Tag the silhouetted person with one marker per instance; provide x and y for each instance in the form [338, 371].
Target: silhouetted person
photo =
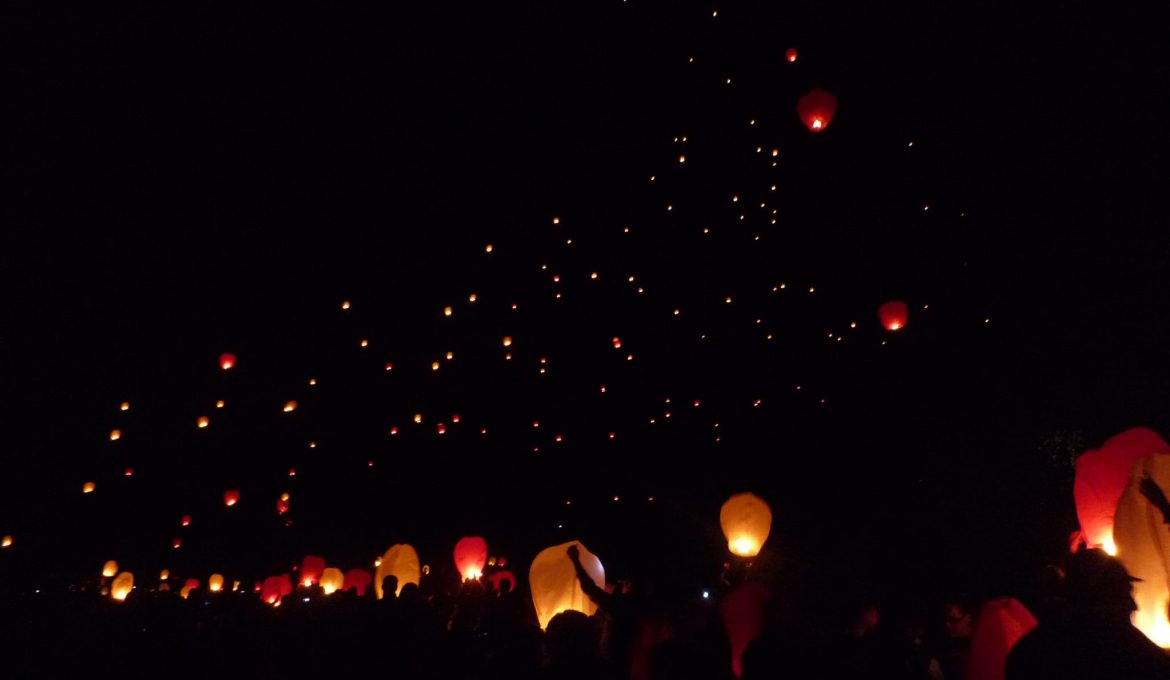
[572, 647]
[621, 610]
[958, 625]
[1095, 638]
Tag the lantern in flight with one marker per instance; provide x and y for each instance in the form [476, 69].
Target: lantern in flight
[227, 360]
[311, 569]
[816, 109]
[401, 562]
[5, 542]
[215, 583]
[275, 588]
[231, 497]
[790, 55]
[109, 569]
[202, 422]
[88, 487]
[188, 585]
[470, 557]
[185, 521]
[121, 586]
[1143, 546]
[357, 580]
[1101, 477]
[746, 521]
[893, 315]
[290, 406]
[553, 581]
[115, 435]
[282, 504]
[332, 580]
[1000, 625]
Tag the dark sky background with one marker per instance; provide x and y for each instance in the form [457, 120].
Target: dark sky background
[180, 183]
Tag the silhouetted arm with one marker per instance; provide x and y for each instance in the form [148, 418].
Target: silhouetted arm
[601, 598]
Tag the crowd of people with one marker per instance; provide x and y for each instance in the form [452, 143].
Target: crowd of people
[639, 631]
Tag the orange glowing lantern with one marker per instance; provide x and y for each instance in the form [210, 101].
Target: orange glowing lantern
[1101, 478]
[188, 585]
[894, 315]
[554, 583]
[110, 568]
[124, 406]
[6, 542]
[121, 586]
[790, 55]
[88, 487]
[400, 561]
[816, 109]
[115, 435]
[227, 360]
[470, 557]
[507, 341]
[1143, 546]
[215, 583]
[357, 580]
[231, 497]
[202, 422]
[290, 406]
[1000, 625]
[746, 521]
[332, 580]
[311, 569]
[164, 574]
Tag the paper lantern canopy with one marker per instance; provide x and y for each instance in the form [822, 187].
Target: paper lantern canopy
[275, 588]
[1143, 546]
[311, 569]
[227, 360]
[110, 568]
[401, 562]
[332, 580]
[746, 521]
[816, 109]
[790, 55]
[357, 580]
[188, 585]
[1101, 477]
[470, 557]
[893, 315]
[1001, 624]
[122, 586]
[231, 497]
[215, 583]
[554, 584]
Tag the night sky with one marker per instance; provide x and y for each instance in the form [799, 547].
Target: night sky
[179, 183]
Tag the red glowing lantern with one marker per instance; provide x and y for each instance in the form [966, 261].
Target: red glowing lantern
[470, 557]
[275, 588]
[186, 521]
[357, 580]
[1101, 478]
[176, 543]
[816, 109]
[311, 569]
[894, 315]
[790, 55]
[231, 497]
[1001, 624]
[282, 504]
[227, 360]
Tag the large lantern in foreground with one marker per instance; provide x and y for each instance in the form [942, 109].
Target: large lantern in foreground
[894, 315]
[110, 568]
[1001, 624]
[1143, 546]
[332, 580]
[401, 562]
[1101, 478]
[746, 521]
[554, 584]
[215, 583]
[122, 586]
[816, 109]
[357, 580]
[470, 557]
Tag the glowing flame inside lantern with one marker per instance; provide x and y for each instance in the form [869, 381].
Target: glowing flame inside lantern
[109, 569]
[122, 586]
[1109, 546]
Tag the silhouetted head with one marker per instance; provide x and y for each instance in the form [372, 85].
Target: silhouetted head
[570, 638]
[389, 586]
[958, 621]
[1099, 585]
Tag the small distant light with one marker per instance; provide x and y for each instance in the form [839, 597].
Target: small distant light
[487, 248]
[365, 343]
[706, 595]
[125, 406]
[345, 304]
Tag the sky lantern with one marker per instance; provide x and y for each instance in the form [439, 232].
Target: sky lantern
[1101, 477]
[215, 583]
[282, 504]
[88, 487]
[357, 580]
[275, 588]
[124, 406]
[554, 585]
[790, 55]
[816, 109]
[186, 521]
[401, 561]
[894, 315]
[332, 580]
[227, 360]
[311, 569]
[6, 542]
[1000, 625]
[746, 521]
[231, 497]
[1143, 546]
[742, 612]
[164, 574]
[470, 557]
[109, 569]
[202, 422]
[507, 341]
[115, 435]
[290, 406]
[188, 585]
[121, 586]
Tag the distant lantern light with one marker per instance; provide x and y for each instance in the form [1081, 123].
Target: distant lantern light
[231, 497]
[311, 569]
[487, 248]
[447, 311]
[227, 360]
[219, 403]
[441, 428]
[470, 557]
[617, 342]
[185, 521]
[110, 568]
[188, 585]
[88, 487]
[164, 574]
[290, 406]
[364, 343]
[215, 583]
[115, 435]
[129, 472]
[345, 304]
[121, 586]
[176, 543]
[6, 542]
[202, 422]
[507, 341]
[434, 365]
[418, 418]
[894, 315]
[790, 55]
[125, 406]
[746, 521]
[816, 109]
